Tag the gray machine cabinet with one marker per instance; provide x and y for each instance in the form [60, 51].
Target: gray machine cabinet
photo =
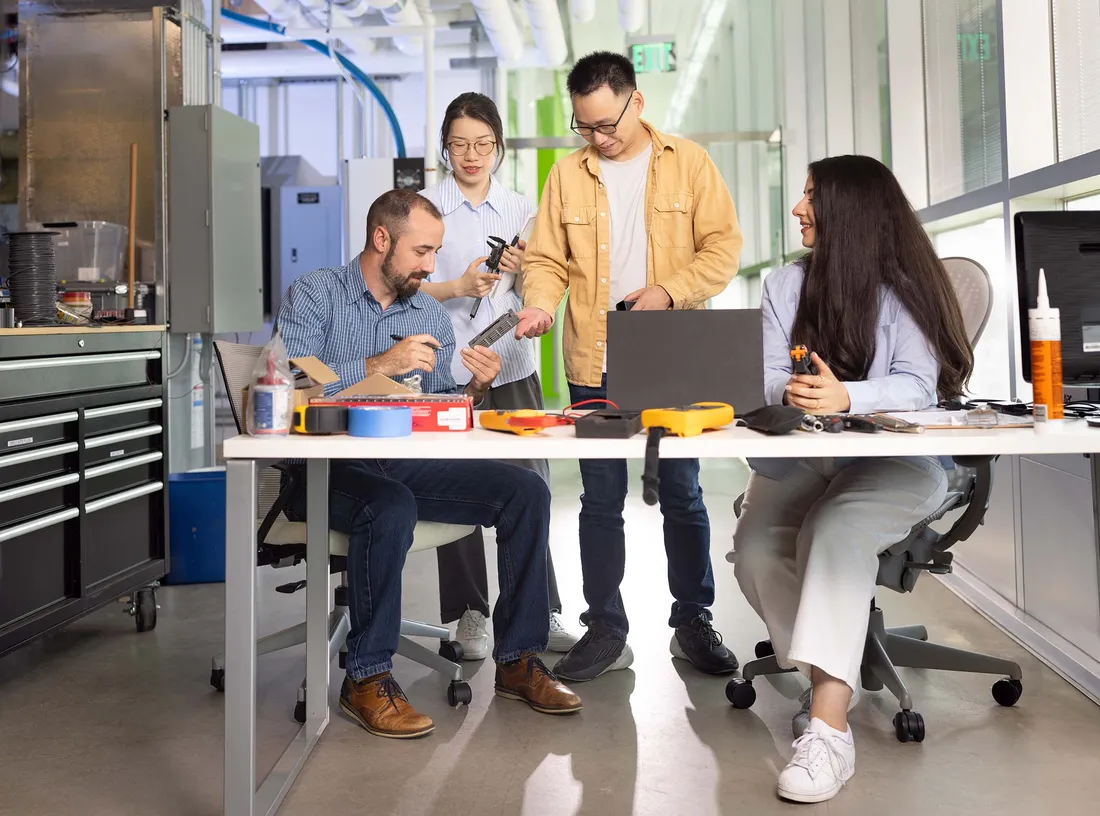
[214, 255]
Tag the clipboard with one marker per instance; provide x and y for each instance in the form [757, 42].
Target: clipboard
[954, 420]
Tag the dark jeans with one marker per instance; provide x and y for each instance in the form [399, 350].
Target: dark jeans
[603, 542]
[463, 582]
[377, 504]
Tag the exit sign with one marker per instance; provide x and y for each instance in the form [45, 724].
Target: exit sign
[652, 55]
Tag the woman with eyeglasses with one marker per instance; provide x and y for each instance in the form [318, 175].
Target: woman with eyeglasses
[476, 205]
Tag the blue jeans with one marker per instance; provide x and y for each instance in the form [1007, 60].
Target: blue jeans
[603, 542]
[377, 504]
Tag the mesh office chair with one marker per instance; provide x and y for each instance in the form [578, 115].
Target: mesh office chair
[281, 543]
[925, 550]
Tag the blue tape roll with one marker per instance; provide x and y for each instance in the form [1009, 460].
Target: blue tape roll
[379, 420]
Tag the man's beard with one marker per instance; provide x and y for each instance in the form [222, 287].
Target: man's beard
[404, 287]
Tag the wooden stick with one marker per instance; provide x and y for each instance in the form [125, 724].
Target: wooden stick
[131, 232]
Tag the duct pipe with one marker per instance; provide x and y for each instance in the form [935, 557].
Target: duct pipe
[320, 14]
[292, 63]
[632, 14]
[549, 34]
[402, 13]
[582, 11]
[500, 26]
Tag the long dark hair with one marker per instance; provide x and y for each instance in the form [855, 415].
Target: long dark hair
[472, 105]
[867, 238]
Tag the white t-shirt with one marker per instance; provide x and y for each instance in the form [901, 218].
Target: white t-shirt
[625, 182]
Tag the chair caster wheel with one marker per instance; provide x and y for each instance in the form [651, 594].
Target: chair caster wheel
[459, 693]
[450, 650]
[217, 679]
[740, 693]
[909, 726]
[300, 711]
[1007, 691]
[764, 649]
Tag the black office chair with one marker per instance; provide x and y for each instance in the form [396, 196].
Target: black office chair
[925, 550]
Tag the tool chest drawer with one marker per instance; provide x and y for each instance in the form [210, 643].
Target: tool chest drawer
[33, 555]
[122, 474]
[48, 376]
[40, 463]
[109, 521]
[107, 447]
[122, 416]
[38, 431]
[34, 499]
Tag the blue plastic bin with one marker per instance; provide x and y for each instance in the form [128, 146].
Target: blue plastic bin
[196, 527]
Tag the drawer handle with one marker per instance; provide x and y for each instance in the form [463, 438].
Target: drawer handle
[121, 436]
[37, 422]
[38, 524]
[91, 359]
[38, 487]
[124, 496]
[41, 453]
[123, 464]
[125, 408]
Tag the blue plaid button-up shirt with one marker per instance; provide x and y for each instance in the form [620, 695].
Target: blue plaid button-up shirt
[329, 314]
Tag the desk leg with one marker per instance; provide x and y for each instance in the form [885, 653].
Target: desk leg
[318, 595]
[240, 637]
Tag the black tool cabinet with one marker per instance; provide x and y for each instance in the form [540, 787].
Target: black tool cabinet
[82, 475]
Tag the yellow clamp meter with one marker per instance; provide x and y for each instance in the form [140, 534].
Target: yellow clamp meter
[688, 420]
[499, 421]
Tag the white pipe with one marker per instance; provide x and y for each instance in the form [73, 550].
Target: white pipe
[582, 11]
[406, 14]
[320, 9]
[216, 52]
[549, 34]
[632, 14]
[500, 26]
[429, 100]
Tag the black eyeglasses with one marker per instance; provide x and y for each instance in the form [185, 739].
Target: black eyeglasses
[462, 148]
[606, 130]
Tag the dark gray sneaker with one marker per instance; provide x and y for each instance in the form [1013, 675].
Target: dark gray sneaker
[698, 643]
[600, 650]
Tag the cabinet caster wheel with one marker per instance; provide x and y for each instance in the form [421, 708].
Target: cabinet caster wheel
[217, 679]
[459, 693]
[909, 726]
[764, 649]
[145, 609]
[740, 693]
[300, 712]
[1007, 691]
[450, 650]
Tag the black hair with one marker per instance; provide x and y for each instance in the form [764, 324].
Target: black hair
[867, 238]
[392, 210]
[472, 105]
[593, 71]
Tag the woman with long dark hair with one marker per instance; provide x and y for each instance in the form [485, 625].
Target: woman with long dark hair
[475, 205]
[875, 307]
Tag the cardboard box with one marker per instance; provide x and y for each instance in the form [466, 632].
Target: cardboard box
[430, 412]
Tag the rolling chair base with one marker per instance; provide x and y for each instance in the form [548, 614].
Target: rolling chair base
[885, 652]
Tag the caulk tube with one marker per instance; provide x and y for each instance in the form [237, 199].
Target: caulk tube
[1044, 329]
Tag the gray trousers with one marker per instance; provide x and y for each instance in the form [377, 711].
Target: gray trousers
[463, 582]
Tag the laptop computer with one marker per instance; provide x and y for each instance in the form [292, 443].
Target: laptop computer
[673, 358]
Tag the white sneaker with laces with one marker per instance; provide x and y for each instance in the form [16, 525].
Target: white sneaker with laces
[473, 634]
[561, 639]
[824, 759]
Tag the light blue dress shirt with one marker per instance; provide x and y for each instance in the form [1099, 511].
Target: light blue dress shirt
[329, 314]
[903, 375]
[467, 228]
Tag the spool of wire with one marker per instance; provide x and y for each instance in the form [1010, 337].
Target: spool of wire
[32, 277]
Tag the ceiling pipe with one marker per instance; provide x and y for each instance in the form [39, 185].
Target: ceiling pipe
[632, 15]
[401, 13]
[549, 33]
[582, 11]
[500, 26]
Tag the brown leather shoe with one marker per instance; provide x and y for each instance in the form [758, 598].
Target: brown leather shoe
[380, 706]
[529, 680]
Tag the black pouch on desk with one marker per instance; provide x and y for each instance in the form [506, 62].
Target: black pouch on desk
[607, 424]
[774, 420]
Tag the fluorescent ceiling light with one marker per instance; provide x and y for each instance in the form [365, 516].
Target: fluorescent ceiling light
[709, 20]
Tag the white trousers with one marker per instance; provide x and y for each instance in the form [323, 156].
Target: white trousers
[806, 551]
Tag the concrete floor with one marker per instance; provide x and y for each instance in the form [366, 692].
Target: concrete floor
[98, 720]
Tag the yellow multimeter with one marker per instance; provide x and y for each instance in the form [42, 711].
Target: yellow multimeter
[689, 420]
[498, 421]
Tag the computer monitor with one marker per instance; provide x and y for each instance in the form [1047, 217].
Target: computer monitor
[1066, 245]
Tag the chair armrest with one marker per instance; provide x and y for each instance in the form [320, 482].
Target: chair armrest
[977, 503]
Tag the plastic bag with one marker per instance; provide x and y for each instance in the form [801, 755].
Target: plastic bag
[271, 392]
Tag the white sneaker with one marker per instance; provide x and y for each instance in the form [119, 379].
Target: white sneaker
[561, 639]
[824, 759]
[473, 634]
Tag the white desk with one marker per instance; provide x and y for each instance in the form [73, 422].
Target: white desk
[242, 454]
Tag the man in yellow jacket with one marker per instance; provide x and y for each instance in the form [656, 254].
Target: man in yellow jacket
[644, 217]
